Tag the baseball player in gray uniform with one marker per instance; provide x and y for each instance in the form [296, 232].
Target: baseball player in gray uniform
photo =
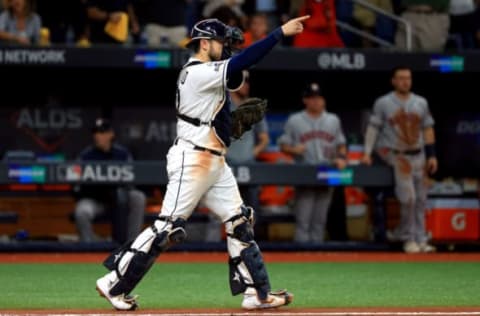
[313, 136]
[401, 131]
[198, 173]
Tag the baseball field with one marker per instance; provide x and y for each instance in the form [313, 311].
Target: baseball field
[323, 283]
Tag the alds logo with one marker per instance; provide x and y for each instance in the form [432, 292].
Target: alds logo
[95, 173]
[47, 127]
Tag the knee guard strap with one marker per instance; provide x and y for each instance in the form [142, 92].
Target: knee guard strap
[135, 263]
[241, 226]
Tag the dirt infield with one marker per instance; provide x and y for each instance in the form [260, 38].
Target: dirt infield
[453, 311]
[269, 257]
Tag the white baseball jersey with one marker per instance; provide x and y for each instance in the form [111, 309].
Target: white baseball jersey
[201, 94]
[196, 176]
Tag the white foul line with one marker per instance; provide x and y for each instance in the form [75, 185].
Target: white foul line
[352, 313]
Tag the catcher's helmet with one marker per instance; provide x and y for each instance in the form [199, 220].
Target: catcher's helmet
[209, 29]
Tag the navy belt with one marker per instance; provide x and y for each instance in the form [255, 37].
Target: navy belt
[200, 148]
[406, 152]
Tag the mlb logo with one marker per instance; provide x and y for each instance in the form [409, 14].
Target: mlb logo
[74, 173]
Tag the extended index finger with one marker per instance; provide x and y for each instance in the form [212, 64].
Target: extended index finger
[302, 18]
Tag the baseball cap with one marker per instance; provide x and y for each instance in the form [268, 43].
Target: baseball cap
[101, 125]
[312, 89]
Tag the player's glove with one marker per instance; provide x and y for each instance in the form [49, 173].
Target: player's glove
[249, 112]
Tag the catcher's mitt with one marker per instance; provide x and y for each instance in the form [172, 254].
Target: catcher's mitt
[249, 112]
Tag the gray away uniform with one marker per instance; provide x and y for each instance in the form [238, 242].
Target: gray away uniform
[321, 136]
[400, 143]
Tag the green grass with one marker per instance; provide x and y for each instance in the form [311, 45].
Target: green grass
[183, 285]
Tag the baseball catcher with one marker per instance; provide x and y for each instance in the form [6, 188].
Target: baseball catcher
[197, 170]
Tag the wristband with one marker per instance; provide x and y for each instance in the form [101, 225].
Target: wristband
[430, 150]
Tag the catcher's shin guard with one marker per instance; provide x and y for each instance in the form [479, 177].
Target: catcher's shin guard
[246, 265]
[135, 260]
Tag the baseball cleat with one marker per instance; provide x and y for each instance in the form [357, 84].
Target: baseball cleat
[411, 247]
[120, 302]
[426, 247]
[274, 300]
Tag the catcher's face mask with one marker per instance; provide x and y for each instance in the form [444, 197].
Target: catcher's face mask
[233, 40]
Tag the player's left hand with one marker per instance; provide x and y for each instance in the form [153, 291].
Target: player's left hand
[340, 163]
[432, 165]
